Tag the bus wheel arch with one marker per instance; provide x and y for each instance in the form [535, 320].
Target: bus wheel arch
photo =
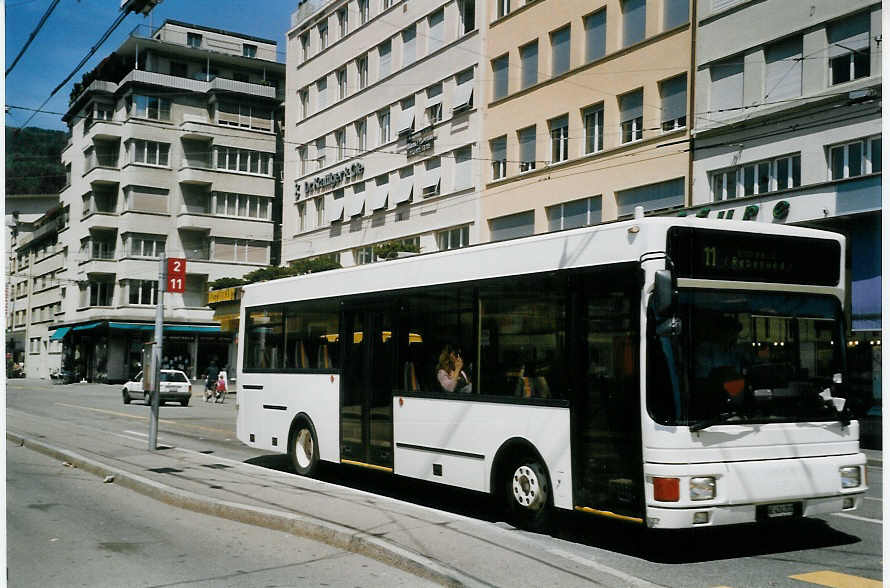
[302, 445]
[520, 480]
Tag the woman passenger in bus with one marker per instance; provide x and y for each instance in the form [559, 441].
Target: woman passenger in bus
[449, 371]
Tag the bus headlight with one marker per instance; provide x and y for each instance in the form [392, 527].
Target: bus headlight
[702, 488]
[851, 477]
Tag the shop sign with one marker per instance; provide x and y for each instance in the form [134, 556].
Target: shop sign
[223, 295]
[420, 141]
[331, 180]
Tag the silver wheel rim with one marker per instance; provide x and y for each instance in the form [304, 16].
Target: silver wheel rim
[305, 448]
[530, 487]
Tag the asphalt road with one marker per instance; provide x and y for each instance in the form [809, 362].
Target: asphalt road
[66, 527]
[837, 550]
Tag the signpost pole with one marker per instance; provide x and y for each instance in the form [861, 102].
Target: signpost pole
[156, 358]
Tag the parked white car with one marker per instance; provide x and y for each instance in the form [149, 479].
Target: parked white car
[175, 386]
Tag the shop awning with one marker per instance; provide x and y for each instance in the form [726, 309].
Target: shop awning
[167, 328]
[60, 333]
[87, 326]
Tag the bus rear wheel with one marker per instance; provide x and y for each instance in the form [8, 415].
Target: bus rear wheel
[528, 494]
[303, 449]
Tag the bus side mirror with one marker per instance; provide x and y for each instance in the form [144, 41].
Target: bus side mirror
[665, 292]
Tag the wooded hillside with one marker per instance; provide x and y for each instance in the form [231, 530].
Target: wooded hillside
[33, 164]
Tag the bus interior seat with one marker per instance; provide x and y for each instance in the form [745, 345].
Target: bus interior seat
[324, 357]
[410, 378]
[302, 359]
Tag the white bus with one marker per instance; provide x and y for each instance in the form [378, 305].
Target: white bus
[671, 372]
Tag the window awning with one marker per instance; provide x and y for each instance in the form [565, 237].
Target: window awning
[333, 208]
[87, 326]
[404, 190]
[377, 199]
[208, 329]
[60, 333]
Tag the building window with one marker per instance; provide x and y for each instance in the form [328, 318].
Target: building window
[341, 83]
[193, 40]
[340, 139]
[436, 30]
[673, 103]
[101, 293]
[364, 255]
[302, 153]
[150, 152]
[503, 8]
[453, 238]
[361, 65]
[242, 205]
[512, 226]
[726, 87]
[244, 115]
[364, 11]
[343, 21]
[405, 121]
[658, 196]
[151, 107]
[784, 70]
[240, 250]
[387, 4]
[849, 49]
[434, 104]
[143, 291]
[323, 36]
[463, 91]
[595, 35]
[498, 157]
[559, 139]
[463, 168]
[409, 45]
[676, 13]
[321, 87]
[243, 160]
[304, 44]
[577, 213]
[301, 217]
[633, 14]
[560, 43]
[384, 51]
[432, 182]
[499, 68]
[319, 211]
[321, 152]
[361, 135]
[855, 158]
[593, 128]
[304, 102]
[249, 50]
[528, 58]
[631, 108]
[467, 15]
[761, 177]
[383, 124]
[527, 149]
[146, 246]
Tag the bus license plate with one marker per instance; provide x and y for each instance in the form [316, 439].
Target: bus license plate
[775, 511]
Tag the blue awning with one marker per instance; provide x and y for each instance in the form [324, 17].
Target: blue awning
[208, 330]
[87, 326]
[60, 333]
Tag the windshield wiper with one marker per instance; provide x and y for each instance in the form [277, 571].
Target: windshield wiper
[720, 419]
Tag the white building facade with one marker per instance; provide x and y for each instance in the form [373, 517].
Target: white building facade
[381, 144]
[172, 152]
[788, 130]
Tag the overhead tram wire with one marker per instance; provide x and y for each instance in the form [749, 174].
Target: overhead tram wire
[120, 18]
[32, 35]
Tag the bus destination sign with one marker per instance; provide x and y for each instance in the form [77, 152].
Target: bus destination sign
[721, 255]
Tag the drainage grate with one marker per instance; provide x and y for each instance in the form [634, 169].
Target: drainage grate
[165, 470]
[216, 466]
[206, 451]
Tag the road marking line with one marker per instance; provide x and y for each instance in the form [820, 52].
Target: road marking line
[142, 418]
[856, 518]
[631, 580]
[836, 580]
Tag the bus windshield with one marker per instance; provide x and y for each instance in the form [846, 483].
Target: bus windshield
[747, 357]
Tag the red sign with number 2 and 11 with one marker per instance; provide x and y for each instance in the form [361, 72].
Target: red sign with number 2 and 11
[176, 274]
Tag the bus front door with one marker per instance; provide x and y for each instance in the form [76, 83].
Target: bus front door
[366, 388]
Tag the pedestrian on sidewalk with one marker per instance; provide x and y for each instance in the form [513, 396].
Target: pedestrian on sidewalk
[222, 384]
[210, 383]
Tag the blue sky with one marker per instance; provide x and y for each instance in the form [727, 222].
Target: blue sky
[76, 25]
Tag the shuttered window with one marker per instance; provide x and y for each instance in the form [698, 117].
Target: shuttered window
[595, 35]
[784, 66]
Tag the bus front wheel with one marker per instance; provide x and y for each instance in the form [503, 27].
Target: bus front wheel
[304, 449]
[528, 494]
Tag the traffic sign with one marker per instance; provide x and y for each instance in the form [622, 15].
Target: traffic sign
[175, 274]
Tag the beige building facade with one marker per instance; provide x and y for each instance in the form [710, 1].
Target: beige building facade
[587, 112]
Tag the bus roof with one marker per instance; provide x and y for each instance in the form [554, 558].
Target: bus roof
[616, 242]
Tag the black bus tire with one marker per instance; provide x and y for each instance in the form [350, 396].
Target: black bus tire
[303, 449]
[527, 492]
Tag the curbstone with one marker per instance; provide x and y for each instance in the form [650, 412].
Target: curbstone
[332, 534]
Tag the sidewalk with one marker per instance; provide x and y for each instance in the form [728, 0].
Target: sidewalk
[446, 548]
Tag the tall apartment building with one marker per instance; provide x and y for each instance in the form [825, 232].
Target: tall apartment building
[32, 290]
[587, 112]
[788, 130]
[173, 151]
[383, 128]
